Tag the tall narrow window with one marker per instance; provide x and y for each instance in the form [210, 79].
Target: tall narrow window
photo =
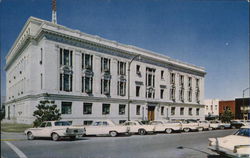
[121, 68]
[138, 91]
[41, 58]
[181, 111]
[105, 109]
[172, 110]
[121, 88]
[162, 110]
[190, 95]
[197, 111]
[138, 69]
[172, 94]
[181, 80]
[190, 111]
[105, 65]
[161, 93]
[150, 82]
[162, 74]
[172, 78]
[87, 61]
[87, 84]
[138, 109]
[189, 81]
[105, 86]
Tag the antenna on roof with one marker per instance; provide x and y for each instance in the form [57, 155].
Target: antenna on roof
[54, 12]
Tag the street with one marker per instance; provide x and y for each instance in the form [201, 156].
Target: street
[176, 145]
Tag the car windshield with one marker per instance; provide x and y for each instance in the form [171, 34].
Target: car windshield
[243, 132]
[62, 123]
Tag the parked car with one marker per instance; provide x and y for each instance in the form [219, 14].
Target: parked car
[106, 127]
[190, 125]
[138, 127]
[166, 126]
[215, 124]
[236, 145]
[239, 123]
[55, 130]
[204, 125]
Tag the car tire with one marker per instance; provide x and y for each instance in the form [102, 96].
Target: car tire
[222, 127]
[55, 136]
[186, 129]
[72, 138]
[200, 129]
[30, 136]
[113, 133]
[210, 128]
[142, 131]
[168, 130]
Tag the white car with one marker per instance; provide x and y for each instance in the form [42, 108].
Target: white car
[166, 126]
[219, 125]
[55, 130]
[236, 145]
[188, 126]
[106, 127]
[138, 127]
[204, 125]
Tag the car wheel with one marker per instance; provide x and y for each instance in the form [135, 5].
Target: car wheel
[200, 129]
[73, 138]
[168, 130]
[142, 131]
[113, 133]
[186, 129]
[55, 136]
[222, 127]
[210, 128]
[30, 136]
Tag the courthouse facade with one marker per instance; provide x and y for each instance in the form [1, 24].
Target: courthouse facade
[87, 78]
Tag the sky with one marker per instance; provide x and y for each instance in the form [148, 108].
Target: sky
[213, 34]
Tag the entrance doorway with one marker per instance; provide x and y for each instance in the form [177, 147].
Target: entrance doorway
[151, 113]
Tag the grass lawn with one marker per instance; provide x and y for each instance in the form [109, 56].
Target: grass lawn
[14, 127]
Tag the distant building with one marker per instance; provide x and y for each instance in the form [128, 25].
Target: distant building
[227, 105]
[242, 108]
[211, 108]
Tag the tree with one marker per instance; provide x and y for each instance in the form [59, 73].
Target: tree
[2, 114]
[227, 116]
[46, 111]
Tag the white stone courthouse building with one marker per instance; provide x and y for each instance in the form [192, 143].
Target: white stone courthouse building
[87, 77]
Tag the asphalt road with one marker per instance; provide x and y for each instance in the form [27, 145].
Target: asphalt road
[177, 145]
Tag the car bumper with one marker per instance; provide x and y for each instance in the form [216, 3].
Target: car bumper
[226, 152]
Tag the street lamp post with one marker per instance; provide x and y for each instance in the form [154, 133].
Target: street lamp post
[129, 64]
[243, 97]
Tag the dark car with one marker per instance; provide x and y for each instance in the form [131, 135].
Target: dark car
[236, 124]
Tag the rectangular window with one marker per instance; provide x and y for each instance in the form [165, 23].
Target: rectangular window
[66, 82]
[162, 74]
[190, 111]
[121, 68]
[138, 109]
[122, 121]
[87, 122]
[150, 82]
[190, 95]
[197, 111]
[197, 83]
[87, 61]
[105, 109]
[87, 108]
[181, 81]
[122, 109]
[105, 65]
[162, 110]
[189, 81]
[138, 91]
[41, 58]
[105, 86]
[66, 57]
[162, 92]
[181, 111]
[172, 94]
[87, 84]
[121, 88]
[66, 107]
[138, 69]
[172, 110]
[181, 94]
[172, 78]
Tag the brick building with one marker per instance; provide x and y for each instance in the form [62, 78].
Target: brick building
[227, 104]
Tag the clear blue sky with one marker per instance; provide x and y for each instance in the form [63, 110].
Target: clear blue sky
[208, 33]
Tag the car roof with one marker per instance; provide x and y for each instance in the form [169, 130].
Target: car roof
[248, 126]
